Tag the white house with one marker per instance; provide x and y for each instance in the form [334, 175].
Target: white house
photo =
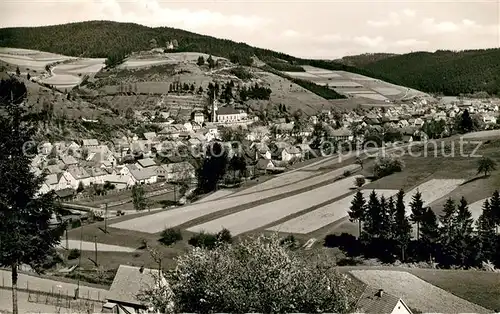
[90, 143]
[140, 176]
[199, 117]
[76, 175]
[176, 171]
[229, 115]
[289, 153]
[374, 301]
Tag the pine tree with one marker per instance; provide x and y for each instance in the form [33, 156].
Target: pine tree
[383, 221]
[448, 220]
[372, 218]
[486, 234]
[402, 227]
[495, 208]
[417, 211]
[462, 241]
[357, 210]
[429, 232]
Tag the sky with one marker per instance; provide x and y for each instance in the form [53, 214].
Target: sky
[326, 29]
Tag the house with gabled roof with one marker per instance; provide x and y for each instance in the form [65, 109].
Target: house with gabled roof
[145, 163]
[90, 143]
[54, 169]
[290, 152]
[376, 301]
[128, 284]
[140, 175]
[77, 174]
[68, 160]
[176, 171]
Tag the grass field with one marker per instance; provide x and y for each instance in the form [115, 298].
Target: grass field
[185, 214]
[324, 216]
[262, 215]
[417, 293]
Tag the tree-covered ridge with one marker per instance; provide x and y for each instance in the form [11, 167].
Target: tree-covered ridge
[102, 39]
[364, 59]
[446, 72]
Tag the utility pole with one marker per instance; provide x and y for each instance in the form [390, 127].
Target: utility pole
[106, 218]
[95, 245]
[67, 241]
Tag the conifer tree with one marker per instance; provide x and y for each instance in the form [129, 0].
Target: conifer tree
[486, 234]
[372, 219]
[402, 226]
[357, 211]
[429, 232]
[463, 238]
[417, 211]
[495, 209]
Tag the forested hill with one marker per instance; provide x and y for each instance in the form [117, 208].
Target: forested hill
[101, 39]
[447, 72]
[450, 73]
[363, 60]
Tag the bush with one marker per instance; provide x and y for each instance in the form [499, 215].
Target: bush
[203, 240]
[73, 254]
[287, 67]
[359, 181]
[387, 165]
[241, 73]
[224, 236]
[345, 242]
[170, 236]
[76, 224]
[256, 275]
[347, 173]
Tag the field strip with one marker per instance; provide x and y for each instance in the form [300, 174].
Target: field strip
[282, 180]
[216, 195]
[90, 246]
[174, 217]
[325, 215]
[482, 134]
[265, 214]
[417, 293]
[432, 190]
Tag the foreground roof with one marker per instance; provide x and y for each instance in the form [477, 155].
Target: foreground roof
[130, 281]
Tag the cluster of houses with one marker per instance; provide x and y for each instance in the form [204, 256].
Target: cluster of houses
[168, 154]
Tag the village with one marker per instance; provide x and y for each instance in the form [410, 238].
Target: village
[170, 155]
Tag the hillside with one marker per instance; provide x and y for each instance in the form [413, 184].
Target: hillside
[447, 72]
[364, 59]
[80, 40]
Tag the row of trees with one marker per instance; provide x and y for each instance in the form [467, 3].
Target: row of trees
[386, 230]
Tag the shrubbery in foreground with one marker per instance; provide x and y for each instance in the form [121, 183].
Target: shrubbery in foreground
[256, 275]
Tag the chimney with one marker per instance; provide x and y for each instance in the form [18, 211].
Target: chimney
[380, 293]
